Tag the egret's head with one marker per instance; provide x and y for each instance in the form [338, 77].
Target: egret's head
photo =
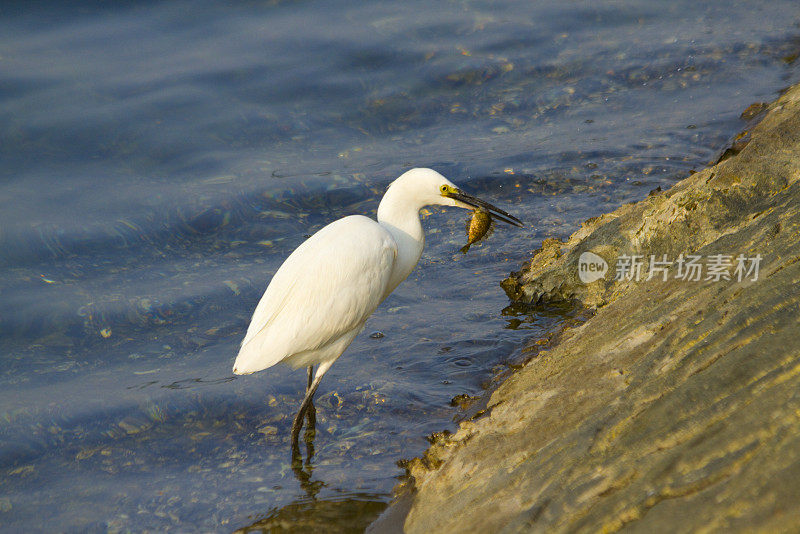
[425, 187]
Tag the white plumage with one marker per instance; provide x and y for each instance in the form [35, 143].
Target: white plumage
[320, 298]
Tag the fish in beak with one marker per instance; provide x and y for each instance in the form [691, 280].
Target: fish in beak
[470, 202]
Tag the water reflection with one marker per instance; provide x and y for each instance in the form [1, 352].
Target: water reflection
[342, 513]
[523, 316]
[303, 471]
[345, 513]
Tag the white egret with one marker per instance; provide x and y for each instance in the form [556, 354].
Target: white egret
[320, 298]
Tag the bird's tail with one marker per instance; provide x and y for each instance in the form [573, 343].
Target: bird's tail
[254, 356]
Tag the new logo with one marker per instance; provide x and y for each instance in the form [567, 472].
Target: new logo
[591, 267]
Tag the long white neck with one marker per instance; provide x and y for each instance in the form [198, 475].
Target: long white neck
[401, 218]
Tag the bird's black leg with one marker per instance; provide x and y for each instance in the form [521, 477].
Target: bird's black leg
[298, 419]
[311, 414]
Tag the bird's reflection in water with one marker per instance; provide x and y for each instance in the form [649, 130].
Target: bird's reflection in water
[303, 470]
[342, 512]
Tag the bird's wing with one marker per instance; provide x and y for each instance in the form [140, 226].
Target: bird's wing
[327, 287]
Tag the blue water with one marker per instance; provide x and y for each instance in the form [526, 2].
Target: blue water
[158, 160]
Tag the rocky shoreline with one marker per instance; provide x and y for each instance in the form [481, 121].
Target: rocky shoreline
[676, 407]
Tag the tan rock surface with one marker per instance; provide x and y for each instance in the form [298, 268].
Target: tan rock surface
[677, 406]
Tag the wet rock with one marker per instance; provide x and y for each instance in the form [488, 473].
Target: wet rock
[754, 110]
[464, 401]
[675, 407]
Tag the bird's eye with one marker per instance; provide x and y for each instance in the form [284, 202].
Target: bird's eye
[443, 189]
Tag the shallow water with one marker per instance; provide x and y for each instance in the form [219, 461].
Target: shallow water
[159, 160]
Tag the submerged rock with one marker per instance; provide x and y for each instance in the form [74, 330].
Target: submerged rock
[676, 407]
